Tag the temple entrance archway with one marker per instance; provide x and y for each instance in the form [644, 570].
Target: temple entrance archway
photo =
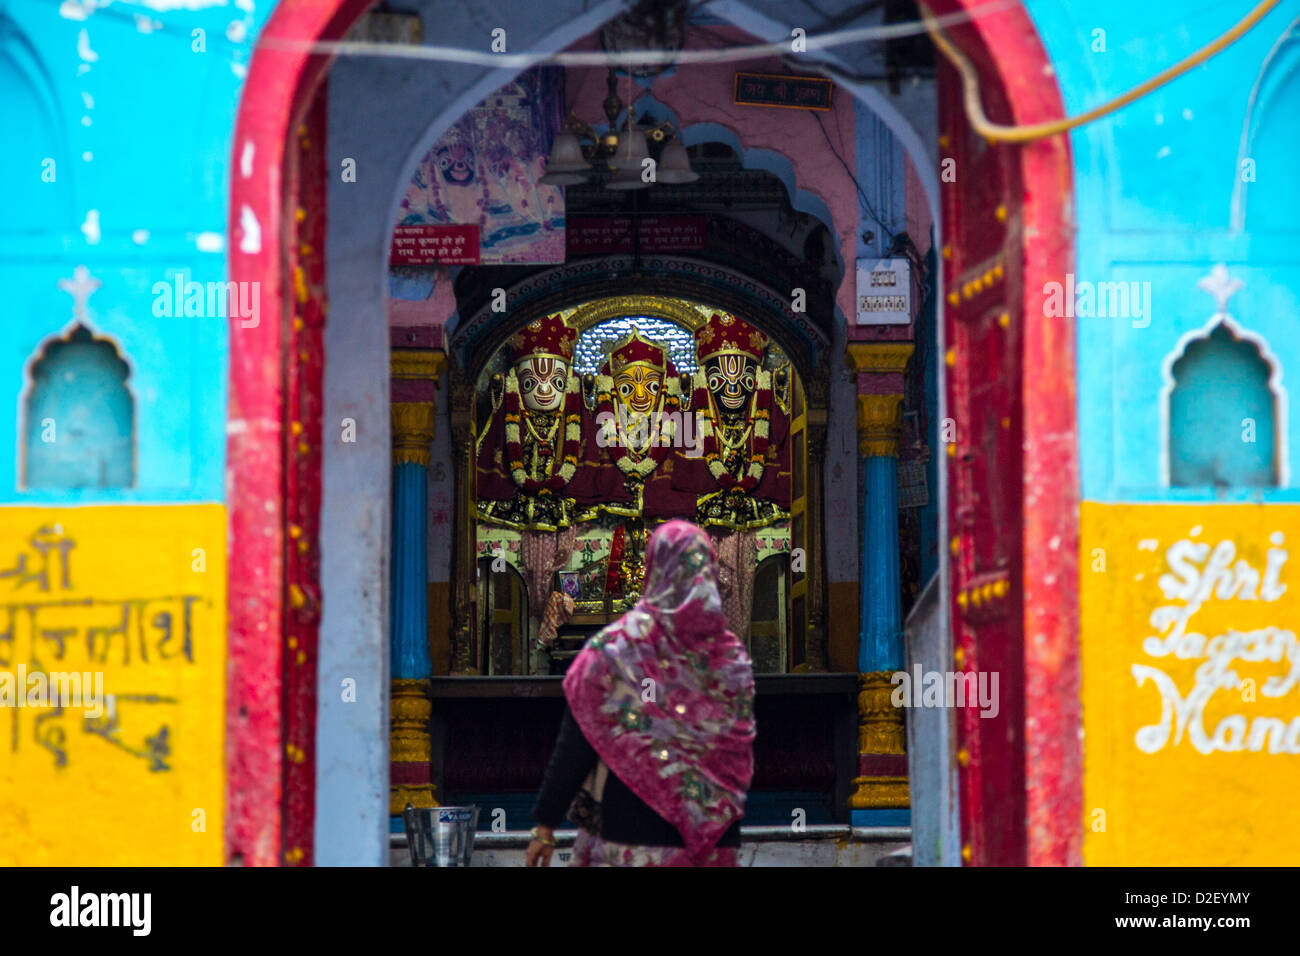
[275, 446]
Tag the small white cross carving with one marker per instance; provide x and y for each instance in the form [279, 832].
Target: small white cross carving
[80, 287]
[1220, 285]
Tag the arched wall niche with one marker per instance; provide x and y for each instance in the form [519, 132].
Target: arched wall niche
[91, 442]
[1223, 332]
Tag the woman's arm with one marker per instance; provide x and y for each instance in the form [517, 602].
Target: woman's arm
[571, 761]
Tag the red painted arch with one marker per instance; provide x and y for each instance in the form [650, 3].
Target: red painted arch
[277, 93]
[1005, 47]
[281, 81]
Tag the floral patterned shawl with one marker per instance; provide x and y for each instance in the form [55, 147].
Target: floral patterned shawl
[665, 695]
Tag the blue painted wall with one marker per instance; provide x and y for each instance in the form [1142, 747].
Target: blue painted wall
[138, 124]
[1155, 186]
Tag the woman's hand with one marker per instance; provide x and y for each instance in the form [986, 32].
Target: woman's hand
[539, 850]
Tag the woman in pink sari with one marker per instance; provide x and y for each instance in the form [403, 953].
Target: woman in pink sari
[662, 698]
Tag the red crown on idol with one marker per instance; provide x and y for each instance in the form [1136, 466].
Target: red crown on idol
[634, 350]
[727, 335]
[548, 337]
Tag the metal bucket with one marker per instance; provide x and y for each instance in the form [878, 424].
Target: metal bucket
[441, 836]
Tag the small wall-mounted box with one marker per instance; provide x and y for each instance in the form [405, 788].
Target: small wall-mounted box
[884, 292]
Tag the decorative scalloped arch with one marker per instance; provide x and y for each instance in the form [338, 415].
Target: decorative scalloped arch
[1241, 334]
[552, 289]
[76, 332]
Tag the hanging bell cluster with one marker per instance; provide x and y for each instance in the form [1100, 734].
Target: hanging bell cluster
[625, 152]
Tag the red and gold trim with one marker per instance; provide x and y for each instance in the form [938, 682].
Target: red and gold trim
[727, 335]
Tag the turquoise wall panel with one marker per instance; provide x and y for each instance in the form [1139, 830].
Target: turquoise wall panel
[137, 113]
[1155, 188]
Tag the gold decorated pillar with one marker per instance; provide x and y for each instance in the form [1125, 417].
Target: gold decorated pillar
[414, 374]
[881, 784]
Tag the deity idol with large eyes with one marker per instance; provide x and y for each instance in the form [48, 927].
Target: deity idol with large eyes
[647, 443]
[742, 431]
[743, 435]
[531, 452]
[638, 412]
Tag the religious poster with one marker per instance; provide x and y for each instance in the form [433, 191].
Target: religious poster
[1191, 684]
[112, 685]
[485, 171]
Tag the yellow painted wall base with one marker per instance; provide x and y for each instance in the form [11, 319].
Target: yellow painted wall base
[134, 597]
[1191, 698]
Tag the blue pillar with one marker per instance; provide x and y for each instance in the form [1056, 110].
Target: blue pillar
[881, 797]
[410, 750]
[410, 590]
[880, 647]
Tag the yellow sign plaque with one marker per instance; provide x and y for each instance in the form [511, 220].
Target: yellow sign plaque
[112, 685]
[1191, 684]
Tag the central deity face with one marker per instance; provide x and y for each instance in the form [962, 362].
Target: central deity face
[542, 381]
[732, 379]
[637, 387]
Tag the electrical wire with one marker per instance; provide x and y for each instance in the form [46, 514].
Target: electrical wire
[862, 195]
[998, 133]
[754, 51]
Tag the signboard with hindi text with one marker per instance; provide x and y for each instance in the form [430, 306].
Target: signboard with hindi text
[421, 245]
[610, 235]
[112, 685]
[788, 92]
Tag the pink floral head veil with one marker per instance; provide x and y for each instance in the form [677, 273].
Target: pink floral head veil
[665, 695]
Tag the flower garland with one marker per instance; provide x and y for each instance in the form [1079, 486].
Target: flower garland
[572, 421]
[761, 414]
[615, 438]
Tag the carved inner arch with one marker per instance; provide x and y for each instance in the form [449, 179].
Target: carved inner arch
[519, 552]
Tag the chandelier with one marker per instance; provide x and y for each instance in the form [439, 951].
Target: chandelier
[581, 154]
